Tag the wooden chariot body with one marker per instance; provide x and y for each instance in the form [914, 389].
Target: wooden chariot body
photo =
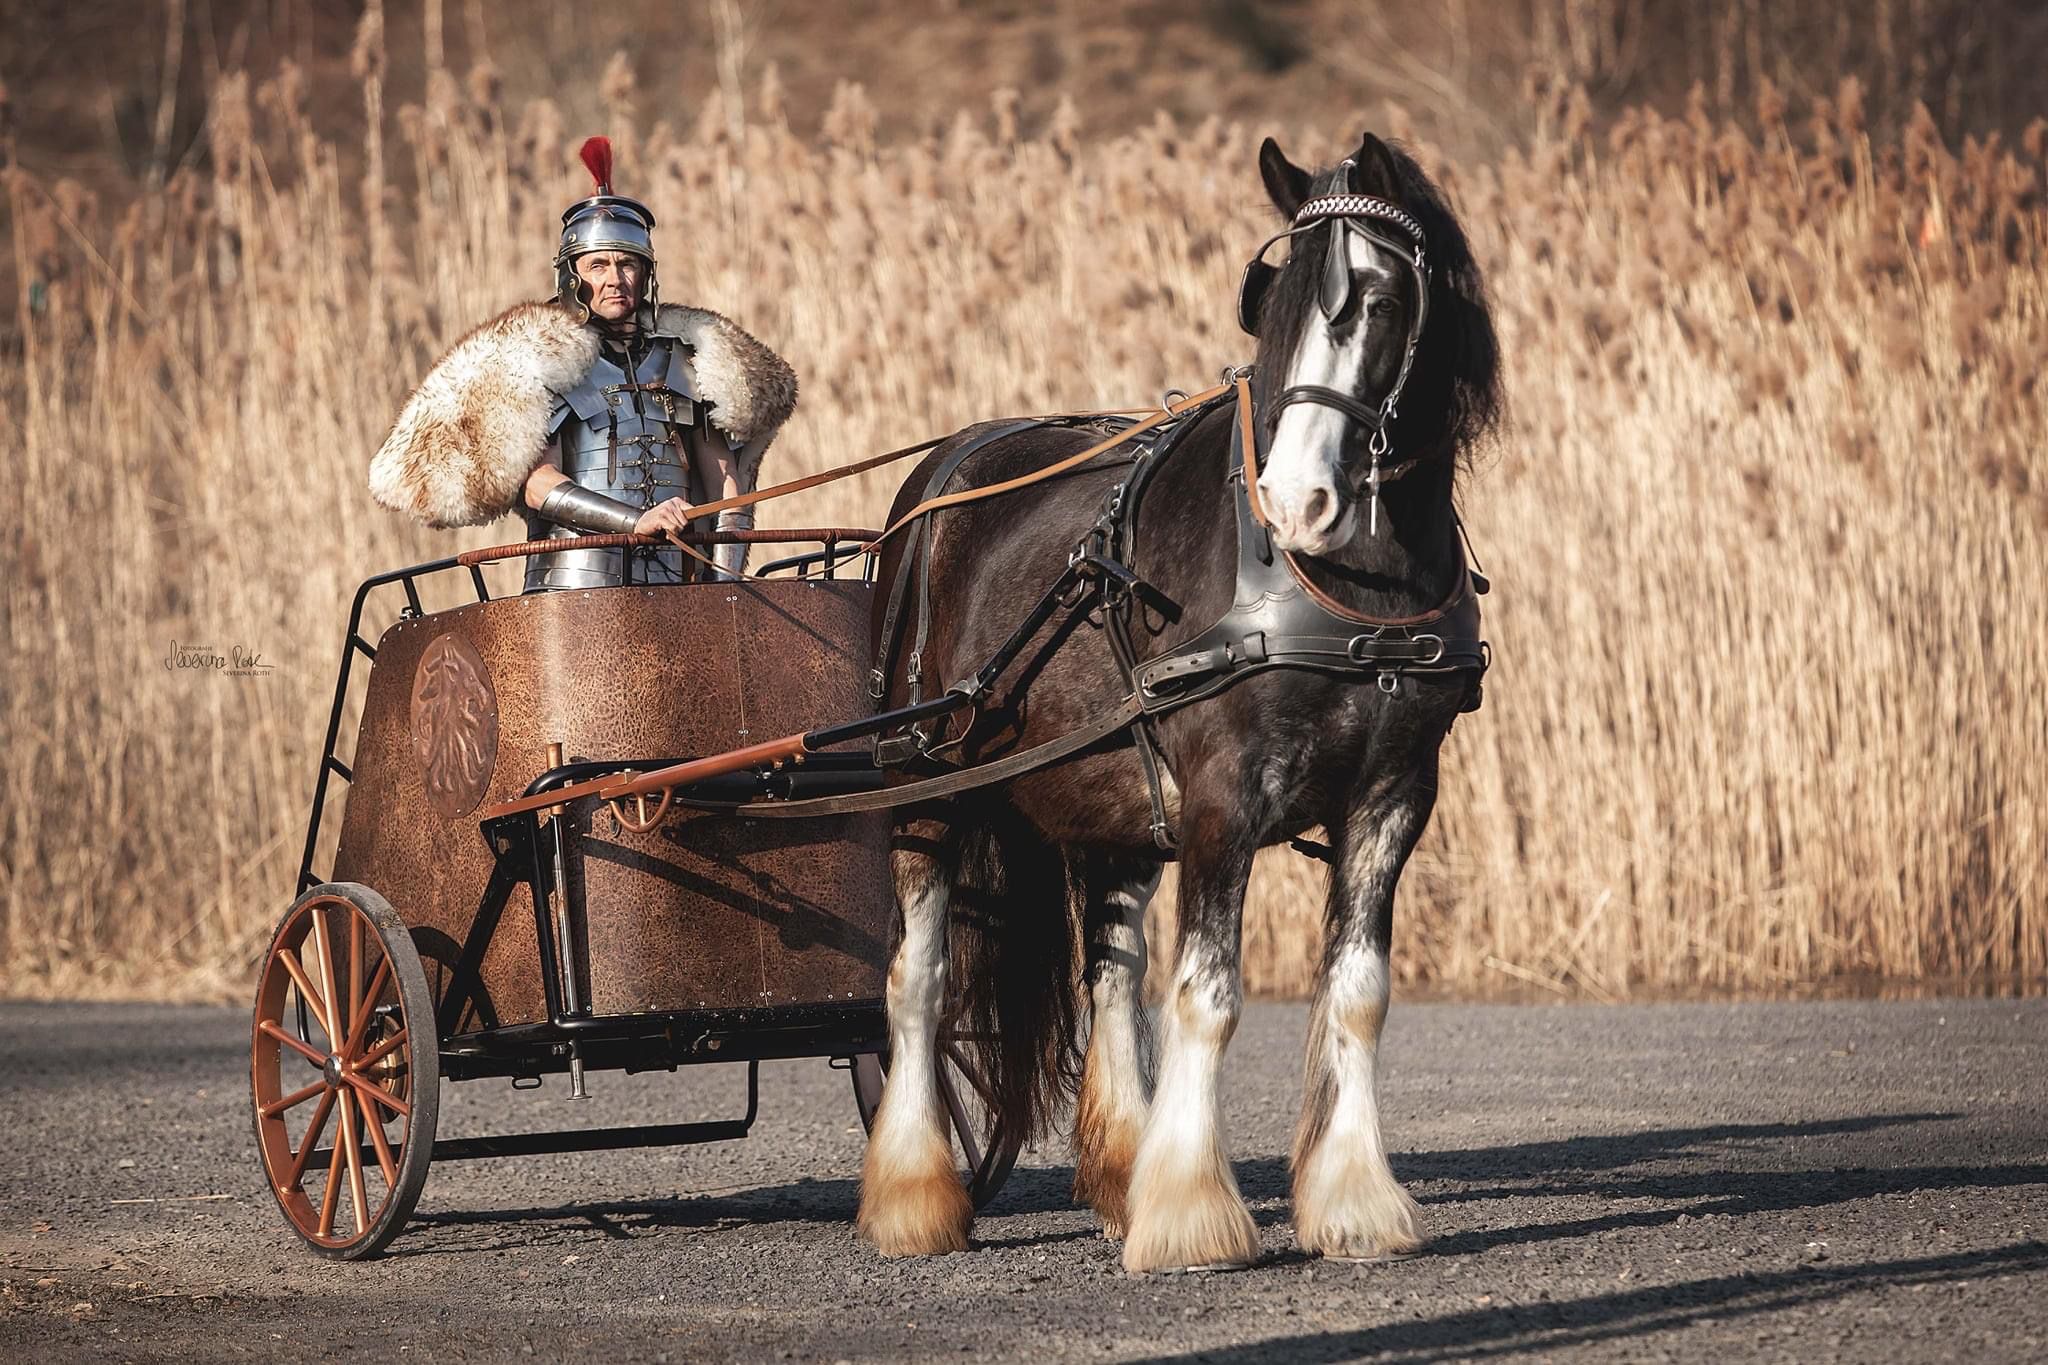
[705, 912]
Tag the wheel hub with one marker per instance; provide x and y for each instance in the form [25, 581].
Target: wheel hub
[332, 1070]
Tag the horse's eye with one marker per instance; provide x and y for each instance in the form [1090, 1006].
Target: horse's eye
[1383, 306]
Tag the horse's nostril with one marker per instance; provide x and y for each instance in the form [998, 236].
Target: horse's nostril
[1316, 511]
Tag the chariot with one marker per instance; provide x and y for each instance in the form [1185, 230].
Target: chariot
[508, 901]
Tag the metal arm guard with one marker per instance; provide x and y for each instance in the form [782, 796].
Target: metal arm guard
[571, 504]
[732, 559]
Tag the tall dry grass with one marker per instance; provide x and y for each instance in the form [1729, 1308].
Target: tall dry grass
[1767, 535]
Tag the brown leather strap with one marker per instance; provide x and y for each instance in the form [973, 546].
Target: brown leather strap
[1248, 437]
[847, 471]
[965, 495]
[824, 535]
[1342, 612]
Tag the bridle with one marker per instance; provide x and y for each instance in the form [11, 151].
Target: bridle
[1371, 217]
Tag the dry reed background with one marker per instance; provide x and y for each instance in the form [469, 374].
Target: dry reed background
[1767, 533]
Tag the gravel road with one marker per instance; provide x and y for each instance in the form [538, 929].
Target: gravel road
[1860, 1181]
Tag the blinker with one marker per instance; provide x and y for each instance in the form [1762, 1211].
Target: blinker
[1336, 288]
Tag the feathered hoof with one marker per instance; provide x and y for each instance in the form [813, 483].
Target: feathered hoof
[914, 1213]
[1107, 1191]
[1201, 1225]
[1102, 1180]
[1363, 1223]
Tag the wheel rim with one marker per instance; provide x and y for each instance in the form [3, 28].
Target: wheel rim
[332, 1063]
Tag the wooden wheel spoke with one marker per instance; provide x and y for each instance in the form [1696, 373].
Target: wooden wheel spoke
[306, 1050]
[297, 1097]
[326, 965]
[378, 1140]
[352, 1157]
[952, 1052]
[382, 1050]
[968, 1140]
[312, 1140]
[298, 975]
[391, 1102]
[332, 1193]
[365, 1007]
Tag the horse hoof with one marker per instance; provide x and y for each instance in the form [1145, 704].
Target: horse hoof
[916, 1216]
[1205, 1233]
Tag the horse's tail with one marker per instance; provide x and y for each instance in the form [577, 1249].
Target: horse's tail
[1015, 938]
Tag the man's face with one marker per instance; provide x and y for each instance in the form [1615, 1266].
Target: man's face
[612, 281]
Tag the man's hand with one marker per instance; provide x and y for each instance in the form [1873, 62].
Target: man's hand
[665, 518]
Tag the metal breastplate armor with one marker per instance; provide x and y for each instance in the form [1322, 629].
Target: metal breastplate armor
[622, 436]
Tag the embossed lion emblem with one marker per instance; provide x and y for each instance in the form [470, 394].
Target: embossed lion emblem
[454, 725]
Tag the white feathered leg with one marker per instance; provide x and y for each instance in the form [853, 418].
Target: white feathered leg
[1346, 1200]
[911, 1200]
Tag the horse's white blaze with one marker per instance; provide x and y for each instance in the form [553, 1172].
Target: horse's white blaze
[1185, 1208]
[912, 1201]
[1347, 1202]
[1299, 484]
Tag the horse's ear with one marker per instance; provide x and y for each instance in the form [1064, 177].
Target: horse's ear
[1374, 170]
[1286, 182]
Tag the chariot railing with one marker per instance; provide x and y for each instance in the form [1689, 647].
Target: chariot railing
[839, 546]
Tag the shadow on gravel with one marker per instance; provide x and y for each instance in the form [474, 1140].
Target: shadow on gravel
[802, 1201]
[1595, 1165]
[1553, 1326]
[1611, 1151]
[1731, 1194]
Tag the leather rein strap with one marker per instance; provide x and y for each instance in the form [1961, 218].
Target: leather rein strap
[1057, 467]
[934, 788]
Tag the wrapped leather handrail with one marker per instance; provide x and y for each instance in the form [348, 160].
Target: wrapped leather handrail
[823, 535]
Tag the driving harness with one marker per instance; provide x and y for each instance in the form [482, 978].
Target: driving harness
[1278, 617]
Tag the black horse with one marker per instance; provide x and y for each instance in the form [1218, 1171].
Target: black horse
[1357, 499]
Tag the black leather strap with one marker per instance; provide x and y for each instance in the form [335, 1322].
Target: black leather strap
[933, 788]
[908, 566]
[1331, 398]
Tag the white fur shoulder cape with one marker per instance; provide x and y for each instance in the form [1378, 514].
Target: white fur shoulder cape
[477, 424]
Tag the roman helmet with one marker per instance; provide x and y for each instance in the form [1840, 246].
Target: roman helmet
[603, 222]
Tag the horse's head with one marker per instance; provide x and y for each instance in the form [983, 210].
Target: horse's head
[1375, 353]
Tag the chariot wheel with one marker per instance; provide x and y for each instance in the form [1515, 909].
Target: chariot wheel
[344, 1048]
[987, 1150]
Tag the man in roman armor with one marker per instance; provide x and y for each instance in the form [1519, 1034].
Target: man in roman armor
[600, 410]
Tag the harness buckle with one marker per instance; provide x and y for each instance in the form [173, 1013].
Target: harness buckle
[1390, 681]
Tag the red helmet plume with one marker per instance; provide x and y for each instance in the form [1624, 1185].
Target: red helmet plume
[597, 155]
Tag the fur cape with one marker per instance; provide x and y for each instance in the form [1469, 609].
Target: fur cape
[477, 424]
